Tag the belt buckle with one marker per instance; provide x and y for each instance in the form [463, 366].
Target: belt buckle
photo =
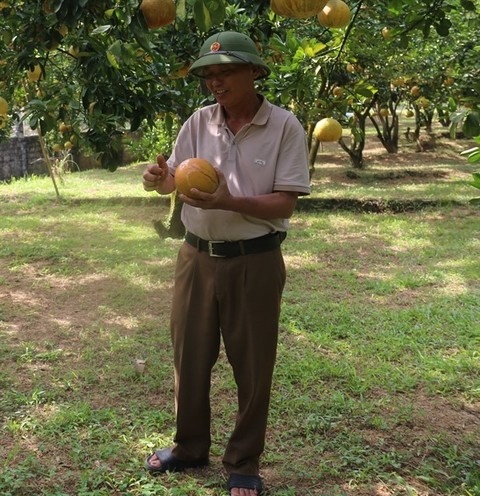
[211, 252]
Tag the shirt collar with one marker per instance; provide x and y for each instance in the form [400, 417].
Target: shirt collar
[260, 118]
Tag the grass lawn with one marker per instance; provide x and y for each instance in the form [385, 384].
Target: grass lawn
[377, 385]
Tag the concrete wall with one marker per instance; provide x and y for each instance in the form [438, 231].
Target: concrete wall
[21, 156]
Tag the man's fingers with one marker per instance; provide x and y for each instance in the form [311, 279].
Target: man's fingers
[149, 186]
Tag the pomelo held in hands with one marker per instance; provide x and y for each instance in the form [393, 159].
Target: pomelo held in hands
[196, 173]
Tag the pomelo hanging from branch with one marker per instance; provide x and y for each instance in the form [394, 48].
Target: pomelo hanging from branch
[158, 13]
[298, 9]
[336, 14]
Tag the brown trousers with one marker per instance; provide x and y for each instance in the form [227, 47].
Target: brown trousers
[238, 300]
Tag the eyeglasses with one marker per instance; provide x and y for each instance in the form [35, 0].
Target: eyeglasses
[223, 73]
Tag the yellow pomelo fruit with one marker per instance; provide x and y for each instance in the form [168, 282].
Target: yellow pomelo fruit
[328, 129]
[298, 9]
[196, 173]
[158, 13]
[336, 14]
[386, 33]
[3, 106]
[35, 74]
[415, 91]
[64, 128]
[337, 91]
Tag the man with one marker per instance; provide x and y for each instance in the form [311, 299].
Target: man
[230, 271]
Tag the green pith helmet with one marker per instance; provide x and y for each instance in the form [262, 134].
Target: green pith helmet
[228, 47]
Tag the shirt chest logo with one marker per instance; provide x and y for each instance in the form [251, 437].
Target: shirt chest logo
[259, 162]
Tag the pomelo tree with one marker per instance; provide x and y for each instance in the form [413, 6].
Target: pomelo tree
[85, 73]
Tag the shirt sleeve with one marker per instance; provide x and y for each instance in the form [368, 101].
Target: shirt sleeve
[292, 167]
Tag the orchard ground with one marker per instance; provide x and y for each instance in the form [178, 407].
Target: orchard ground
[376, 390]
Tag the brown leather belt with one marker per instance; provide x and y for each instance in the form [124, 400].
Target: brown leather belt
[226, 249]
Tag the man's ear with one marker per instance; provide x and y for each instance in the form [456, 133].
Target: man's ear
[256, 71]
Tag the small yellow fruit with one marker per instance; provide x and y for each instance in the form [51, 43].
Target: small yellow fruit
[64, 128]
[196, 173]
[3, 106]
[35, 74]
[336, 14]
[47, 7]
[68, 145]
[400, 81]
[423, 102]
[158, 13]
[415, 90]
[386, 33]
[57, 147]
[328, 129]
[409, 113]
[73, 51]
[337, 91]
[383, 112]
[63, 30]
[351, 68]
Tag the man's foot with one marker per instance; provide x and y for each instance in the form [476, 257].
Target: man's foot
[244, 485]
[243, 492]
[164, 461]
[154, 462]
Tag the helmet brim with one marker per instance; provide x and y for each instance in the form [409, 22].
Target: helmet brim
[228, 57]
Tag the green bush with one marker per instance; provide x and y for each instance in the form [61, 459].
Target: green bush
[150, 141]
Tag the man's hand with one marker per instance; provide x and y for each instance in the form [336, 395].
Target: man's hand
[218, 199]
[157, 177]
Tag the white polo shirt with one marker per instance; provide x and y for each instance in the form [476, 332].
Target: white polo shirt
[269, 154]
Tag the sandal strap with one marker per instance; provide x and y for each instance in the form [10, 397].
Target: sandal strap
[242, 481]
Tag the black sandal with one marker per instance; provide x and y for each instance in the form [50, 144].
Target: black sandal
[241, 481]
[170, 463]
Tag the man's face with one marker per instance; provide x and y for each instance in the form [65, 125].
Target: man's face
[230, 83]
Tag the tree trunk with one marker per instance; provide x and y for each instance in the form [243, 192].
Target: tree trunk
[173, 226]
[314, 145]
[387, 127]
[355, 150]
[355, 153]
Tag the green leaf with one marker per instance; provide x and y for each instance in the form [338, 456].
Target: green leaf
[471, 125]
[113, 60]
[468, 5]
[443, 27]
[169, 123]
[426, 29]
[208, 13]
[116, 48]
[476, 180]
[366, 92]
[102, 29]
[474, 157]
[181, 10]
[217, 10]
[201, 16]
